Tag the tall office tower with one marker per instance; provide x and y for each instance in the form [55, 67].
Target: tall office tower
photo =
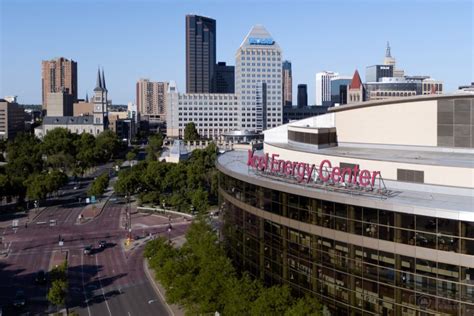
[200, 54]
[258, 81]
[323, 87]
[339, 89]
[58, 75]
[391, 61]
[302, 95]
[151, 99]
[224, 78]
[287, 83]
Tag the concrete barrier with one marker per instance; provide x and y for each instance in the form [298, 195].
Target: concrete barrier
[163, 211]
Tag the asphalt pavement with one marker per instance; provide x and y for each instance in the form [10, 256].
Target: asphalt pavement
[109, 281]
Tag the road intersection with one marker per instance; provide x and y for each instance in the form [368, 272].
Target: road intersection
[110, 281]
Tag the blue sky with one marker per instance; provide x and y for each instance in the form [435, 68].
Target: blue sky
[145, 39]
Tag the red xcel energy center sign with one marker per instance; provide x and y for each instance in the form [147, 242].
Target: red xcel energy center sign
[306, 172]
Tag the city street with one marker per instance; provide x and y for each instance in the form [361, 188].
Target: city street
[109, 281]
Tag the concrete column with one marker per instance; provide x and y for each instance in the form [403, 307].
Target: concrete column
[284, 253]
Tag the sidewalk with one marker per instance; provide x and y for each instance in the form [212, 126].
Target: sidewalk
[23, 217]
[91, 211]
[173, 309]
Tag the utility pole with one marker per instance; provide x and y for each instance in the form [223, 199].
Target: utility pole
[129, 212]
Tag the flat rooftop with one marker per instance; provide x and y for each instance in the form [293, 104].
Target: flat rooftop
[422, 202]
[413, 156]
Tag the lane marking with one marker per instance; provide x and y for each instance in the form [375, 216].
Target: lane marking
[83, 287]
[153, 284]
[101, 287]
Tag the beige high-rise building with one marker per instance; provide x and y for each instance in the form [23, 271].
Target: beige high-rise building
[151, 99]
[12, 119]
[391, 61]
[58, 75]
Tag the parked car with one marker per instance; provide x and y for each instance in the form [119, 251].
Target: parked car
[20, 299]
[88, 250]
[40, 277]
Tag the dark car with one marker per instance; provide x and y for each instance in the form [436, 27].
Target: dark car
[88, 250]
[20, 299]
[102, 244]
[40, 277]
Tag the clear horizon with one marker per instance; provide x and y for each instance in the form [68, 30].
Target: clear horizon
[145, 39]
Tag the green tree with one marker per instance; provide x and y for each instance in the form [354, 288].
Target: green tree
[5, 186]
[127, 182]
[58, 292]
[59, 285]
[24, 159]
[58, 148]
[130, 156]
[155, 144]
[55, 180]
[199, 200]
[85, 152]
[272, 301]
[106, 145]
[59, 272]
[239, 295]
[190, 132]
[99, 185]
[306, 305]
[36, 187]
[201, 278]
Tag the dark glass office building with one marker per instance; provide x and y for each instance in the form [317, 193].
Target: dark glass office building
[339, 91]
[200, 54]
[224, 78]
[302, 95]
[295, 113]
[376, 72]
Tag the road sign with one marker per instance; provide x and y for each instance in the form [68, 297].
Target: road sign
[52, 222]
[61, 243]
[15, 223]
[88, 200]
[92, 199]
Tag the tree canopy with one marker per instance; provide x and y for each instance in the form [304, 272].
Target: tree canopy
[187, 185]
[99, 185]
[155, 144]
[36, 168]
[190, 132]
[200, 277]
[59, 285]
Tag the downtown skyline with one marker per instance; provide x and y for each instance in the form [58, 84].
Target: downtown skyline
[328, 38]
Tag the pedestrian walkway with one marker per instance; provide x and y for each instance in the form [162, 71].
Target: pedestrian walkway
[91, 211]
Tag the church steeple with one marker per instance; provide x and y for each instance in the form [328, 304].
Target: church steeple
[98, 85]
[103, 80]
[387, 52]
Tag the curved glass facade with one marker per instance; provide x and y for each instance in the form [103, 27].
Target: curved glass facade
[316, 247]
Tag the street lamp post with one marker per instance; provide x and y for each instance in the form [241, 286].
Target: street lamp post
[129, 217]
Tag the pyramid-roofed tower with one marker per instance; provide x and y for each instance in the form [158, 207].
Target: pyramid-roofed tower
[356, 82]
[259, 35]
